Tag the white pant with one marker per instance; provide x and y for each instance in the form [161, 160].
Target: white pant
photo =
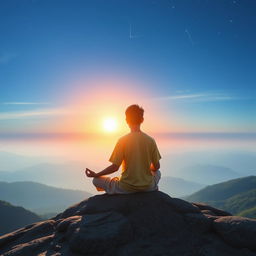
[112, 186]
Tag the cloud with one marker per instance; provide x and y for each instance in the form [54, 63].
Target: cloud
[199, 97]
[184, 96]
[25, 103]
[7, 57]
[34, 113]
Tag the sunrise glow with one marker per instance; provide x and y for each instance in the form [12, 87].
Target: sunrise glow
[109, 124]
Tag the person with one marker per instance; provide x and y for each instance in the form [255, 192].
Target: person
[139, 156]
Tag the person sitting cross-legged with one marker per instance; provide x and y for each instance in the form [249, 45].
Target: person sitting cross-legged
[139, 156]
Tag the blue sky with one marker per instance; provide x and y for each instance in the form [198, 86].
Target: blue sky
[196, 57]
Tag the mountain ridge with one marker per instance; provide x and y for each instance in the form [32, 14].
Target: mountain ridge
[235, 195]
[35, 196]
[207, 173]
[178, 187]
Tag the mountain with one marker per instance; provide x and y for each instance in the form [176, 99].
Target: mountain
[250, 213]
[206, 174]
[150, 223]
[10, 161]
[178, 187]
[236, 195]
[242, 162]
[241, 202]
[14, 217]
[198, 167]
[68, 175]
[39, 198]
[71, 175]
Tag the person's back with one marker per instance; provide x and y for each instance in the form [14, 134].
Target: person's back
[136, 151]
[139, 156]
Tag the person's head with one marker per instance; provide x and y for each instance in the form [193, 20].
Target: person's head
[134, 115]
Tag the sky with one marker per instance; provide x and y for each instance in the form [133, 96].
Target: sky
[66, 65]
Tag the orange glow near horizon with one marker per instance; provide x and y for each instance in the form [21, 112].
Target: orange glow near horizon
[91, 100]
[94, 100]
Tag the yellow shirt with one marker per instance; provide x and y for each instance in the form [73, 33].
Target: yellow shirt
[136, 151]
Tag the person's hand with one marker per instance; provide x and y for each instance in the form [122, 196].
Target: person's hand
[90, 173]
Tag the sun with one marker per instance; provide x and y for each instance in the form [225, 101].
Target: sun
[110, 124]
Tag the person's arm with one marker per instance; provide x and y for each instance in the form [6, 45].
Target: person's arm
[155, 157]
[155, 166]
[110, 169]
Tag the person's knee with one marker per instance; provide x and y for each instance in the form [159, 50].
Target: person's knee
[95, 181]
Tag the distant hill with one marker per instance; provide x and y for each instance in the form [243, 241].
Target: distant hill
[71, 175]
[40, 198]
[14, 217]
[177, 187]
[10, 161]
[68, 175]
[250, 213]
[237, 196]
[206, 174]
[242, 162]
[198, 167]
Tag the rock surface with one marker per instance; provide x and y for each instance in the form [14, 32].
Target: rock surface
[149, 223]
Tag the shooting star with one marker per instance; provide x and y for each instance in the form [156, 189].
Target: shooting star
[189, 36]
[131, 35]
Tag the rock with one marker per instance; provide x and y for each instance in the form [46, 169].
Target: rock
[208, 212]
[215, 211]
[40, 229]
[150, 223]
[126, 203]
[100, 233]
[182, 206]
[63, 225]
[73, 210]
[29, 248]
[24, 235]
[210, 216]
[198, 221]
[237, 231]
[8, 238]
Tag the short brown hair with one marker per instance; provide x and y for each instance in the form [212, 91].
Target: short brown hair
[134, 114]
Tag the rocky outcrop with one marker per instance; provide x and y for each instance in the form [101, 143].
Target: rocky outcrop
[149, 223]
